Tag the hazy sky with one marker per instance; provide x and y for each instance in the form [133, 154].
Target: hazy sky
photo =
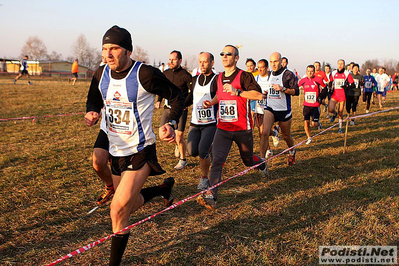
[303, 31]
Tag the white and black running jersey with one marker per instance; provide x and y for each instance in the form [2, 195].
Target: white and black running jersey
[264, 83]
[128, 112]
[200, 115]
[278, 100]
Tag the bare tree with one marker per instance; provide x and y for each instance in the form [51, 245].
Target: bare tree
[54, 56]
[86, 55]
[34, 48]
[323, 65]
[191, 62]
[390, 64]
[371, 63]
[139, 54]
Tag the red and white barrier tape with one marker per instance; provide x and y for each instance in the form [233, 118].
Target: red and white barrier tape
[35, 117]
[95, 243]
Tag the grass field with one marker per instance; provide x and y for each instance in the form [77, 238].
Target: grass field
[328, 198]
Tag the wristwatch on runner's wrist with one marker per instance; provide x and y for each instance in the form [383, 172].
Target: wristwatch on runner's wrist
[172, 123]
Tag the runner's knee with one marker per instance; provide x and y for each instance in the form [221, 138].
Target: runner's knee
[100, 163]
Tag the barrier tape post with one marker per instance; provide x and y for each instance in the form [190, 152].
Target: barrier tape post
[346, 132]
[299, 98]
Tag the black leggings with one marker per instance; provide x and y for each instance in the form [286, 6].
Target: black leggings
[220, 150]
[351, 103]
[367, 97]
[199, 140]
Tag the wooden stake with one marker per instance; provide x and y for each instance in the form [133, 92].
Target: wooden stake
[346, 133]
[299, 98]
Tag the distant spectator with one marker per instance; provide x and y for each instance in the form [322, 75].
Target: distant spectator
[75, 72]
[4, 66]
[162, 67]
[395, 80]
[24, 70]
[251, 67]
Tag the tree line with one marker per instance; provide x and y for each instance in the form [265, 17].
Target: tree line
[88, 56]
[91, 57]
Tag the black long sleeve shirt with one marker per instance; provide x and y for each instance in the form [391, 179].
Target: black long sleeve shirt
[181, 79]
[152, 81]
[289, 79]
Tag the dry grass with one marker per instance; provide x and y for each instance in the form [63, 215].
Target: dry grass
[327, 198]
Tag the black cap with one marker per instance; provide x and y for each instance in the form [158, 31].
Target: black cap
[119, 36]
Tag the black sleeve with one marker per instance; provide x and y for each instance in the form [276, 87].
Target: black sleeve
[155, 82]
[248, 82]
[189, 82]
[214, 86]
[290, 81]
[94, 100]
[322, 95]
[190, 96]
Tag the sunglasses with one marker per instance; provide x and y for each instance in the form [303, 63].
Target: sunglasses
[225, 54]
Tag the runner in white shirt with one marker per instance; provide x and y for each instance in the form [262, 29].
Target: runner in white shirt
[382, 82]
[278, 106]
[263, 80]
[203, 121]
[126, 89]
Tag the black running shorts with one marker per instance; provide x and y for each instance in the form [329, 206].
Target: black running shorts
[136, 161]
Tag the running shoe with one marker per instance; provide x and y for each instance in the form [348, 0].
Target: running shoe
[167, 195]
[30, 83]
[181, 164]
[177, 152]
[308, 141]
[15, 81]
[208, 201]
[291, 159]
[333, 118]
[320, 126]
[367, 111]
[328, 115]
[340, 131]
[352, 122]
[269, 153]
[203, 183]
[276, 139]
[263, 169]
[106, 196]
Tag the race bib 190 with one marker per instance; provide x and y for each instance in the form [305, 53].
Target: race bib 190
[204, 115]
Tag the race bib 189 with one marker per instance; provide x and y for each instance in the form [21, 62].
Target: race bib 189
[274, 94]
